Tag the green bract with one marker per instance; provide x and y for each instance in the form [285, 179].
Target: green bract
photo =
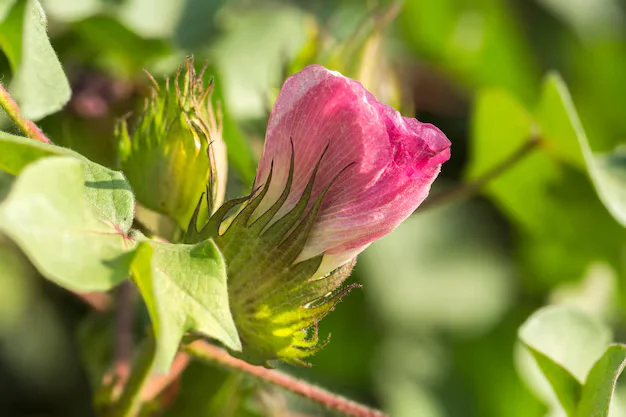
[275, 303]
[176, 148]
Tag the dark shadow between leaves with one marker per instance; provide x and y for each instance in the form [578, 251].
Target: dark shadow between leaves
[120, 265]
[109, 185]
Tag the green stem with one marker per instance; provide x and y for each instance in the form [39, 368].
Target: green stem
[29, 128]
[130, 401]
[210, 353]
[471, 188]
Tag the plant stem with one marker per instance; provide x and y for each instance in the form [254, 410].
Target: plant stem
[29, 128]
[130, 401]
[471, 188]
[158, 383]
[124, 318]
[207, 352]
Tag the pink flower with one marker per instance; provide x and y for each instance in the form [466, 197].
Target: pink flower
[392, 162]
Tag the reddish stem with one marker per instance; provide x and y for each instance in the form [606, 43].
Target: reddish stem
[29, 128]
[157, 384]
[208, 352]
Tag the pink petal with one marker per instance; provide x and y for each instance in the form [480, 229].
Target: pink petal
[395, 160]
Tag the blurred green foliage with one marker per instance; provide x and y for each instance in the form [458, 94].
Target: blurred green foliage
[433, 333]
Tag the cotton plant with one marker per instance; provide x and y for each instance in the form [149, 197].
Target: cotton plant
[245, 284]
[256, 274]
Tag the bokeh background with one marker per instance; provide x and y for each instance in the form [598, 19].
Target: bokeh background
[433, 331]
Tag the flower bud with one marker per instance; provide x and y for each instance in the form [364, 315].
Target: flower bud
[339, 170]
[176, 151]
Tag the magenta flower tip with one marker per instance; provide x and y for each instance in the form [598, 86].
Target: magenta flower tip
[395, 160]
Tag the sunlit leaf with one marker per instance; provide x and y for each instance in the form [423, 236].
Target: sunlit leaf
[73, 228]
[600, 384]
[105, 189]
[17, 151]
[184, 288]
[565, 343]
[566, 387]
[567, 336]
[39, 84]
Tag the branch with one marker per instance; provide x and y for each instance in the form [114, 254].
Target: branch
[471, 188]
[205, 351]
[29, 128]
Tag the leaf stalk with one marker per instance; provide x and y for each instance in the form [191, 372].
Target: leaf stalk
[29, 128]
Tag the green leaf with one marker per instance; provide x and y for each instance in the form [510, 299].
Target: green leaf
[184, 288]
[567, 336]
[106, 189]
[566, 387]
[5, 8]
[501, 126]
[17, 151]
[558, 121]
[600, 384]
[608, 171]
[110, 193]
[39, 84]
[71, 219]
[565, 343]
[536, 190]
